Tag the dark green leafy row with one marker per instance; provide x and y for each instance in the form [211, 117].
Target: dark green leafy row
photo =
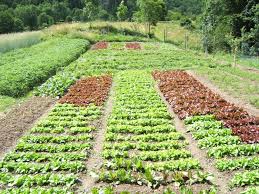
[21, 74]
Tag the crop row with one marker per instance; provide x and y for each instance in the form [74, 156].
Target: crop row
[182, 190]
[141, 144]
[42, 159]
[100, 45]
[115, 59]
[23, 69]
[230, 152]
[92, 90]
[188, 97]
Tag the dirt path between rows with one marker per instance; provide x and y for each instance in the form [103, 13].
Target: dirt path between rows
[21, 118]
[220, 179]
[237, 102]
[95, 160]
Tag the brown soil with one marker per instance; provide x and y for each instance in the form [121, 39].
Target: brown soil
[90, 90]
[18, 120]
[95, 160]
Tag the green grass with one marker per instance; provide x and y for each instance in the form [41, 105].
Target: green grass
[250, 62]
[6, 102]
[228, 80]
[13, 41]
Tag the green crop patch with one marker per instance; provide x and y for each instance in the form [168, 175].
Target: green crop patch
[228, 150]
[50, 157]
[142, 145]
[23, 69]
[96, 62]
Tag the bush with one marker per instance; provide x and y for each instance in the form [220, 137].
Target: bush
[45, 20]
[187, 23]
[69, 19]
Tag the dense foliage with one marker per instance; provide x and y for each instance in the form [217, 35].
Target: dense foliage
[223, 18]
[23, 69]
[30, 15]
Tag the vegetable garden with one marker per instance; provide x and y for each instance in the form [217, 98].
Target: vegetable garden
[148, 115]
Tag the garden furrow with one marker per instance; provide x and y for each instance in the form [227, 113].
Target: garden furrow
[220, 179]
[43, 162]
[145, 158]
[95, 158]
[235, 160]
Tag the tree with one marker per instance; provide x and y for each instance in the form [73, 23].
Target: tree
[28, 14]
[60, 11]
[6, 22]
[91, 9]
[75, 4]
[45, 20]
[152, 11]
[18, 25]
[234, 43]
[122, 11]
[226, 17]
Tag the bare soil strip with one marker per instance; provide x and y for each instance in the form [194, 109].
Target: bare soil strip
[20, 119]
[239, 103]
[220, 179]
[95, 159]
[248, 69]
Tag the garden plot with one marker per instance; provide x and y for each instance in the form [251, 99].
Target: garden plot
[52, 156]
[142, 146]
[239, 160]
[23, 69]
[215, 133]
[188, 97]
[90, 90]
[117, 58]
[100, 45]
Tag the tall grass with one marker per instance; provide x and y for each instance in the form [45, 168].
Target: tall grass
[18, 40]
[175, 33]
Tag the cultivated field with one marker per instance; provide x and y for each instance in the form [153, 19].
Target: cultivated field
[126, 114]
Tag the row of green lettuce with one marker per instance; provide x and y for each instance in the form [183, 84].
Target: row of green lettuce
[142, 146]
[229, 153]
[49, 158]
